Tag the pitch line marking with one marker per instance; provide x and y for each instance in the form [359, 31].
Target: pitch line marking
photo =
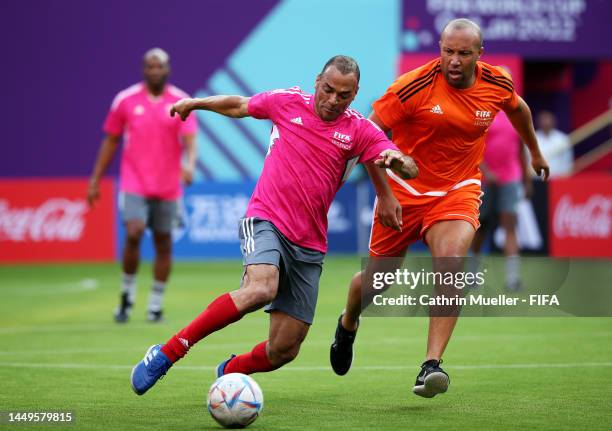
[317, 368]
[82, 285]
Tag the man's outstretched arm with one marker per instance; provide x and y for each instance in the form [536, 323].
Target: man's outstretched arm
[230, 106]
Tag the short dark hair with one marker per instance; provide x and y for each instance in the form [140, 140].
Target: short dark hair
[344, 64]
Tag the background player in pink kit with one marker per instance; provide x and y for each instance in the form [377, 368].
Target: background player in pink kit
[315, 142]
[150, 175]
[506, 180]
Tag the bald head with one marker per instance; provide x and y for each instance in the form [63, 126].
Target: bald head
[157, 53]
[463, 24]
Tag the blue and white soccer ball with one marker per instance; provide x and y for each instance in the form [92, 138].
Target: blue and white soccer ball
[235, 400]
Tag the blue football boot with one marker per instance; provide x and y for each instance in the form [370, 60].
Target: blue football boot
[147, 372]
[221, 367]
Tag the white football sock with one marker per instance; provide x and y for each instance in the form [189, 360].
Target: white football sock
[157, 295]
[128, 285]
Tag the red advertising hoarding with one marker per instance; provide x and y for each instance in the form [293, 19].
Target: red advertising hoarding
[580, 216]
[48, 220]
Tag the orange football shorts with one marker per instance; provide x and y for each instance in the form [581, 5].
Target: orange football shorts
[419, 213]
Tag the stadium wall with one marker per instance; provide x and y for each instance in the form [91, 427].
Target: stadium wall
[75, 56]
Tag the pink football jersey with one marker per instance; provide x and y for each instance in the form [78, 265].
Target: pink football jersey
[308, 160]
[151, 158]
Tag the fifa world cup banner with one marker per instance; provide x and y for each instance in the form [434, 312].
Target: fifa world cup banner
[529, 28]
[580, 216]
[50, 221]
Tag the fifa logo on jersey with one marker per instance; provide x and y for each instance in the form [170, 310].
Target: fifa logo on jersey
[342, 137]
[483, 118]
[341, 140]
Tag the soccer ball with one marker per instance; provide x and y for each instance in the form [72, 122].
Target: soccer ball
[235, 400]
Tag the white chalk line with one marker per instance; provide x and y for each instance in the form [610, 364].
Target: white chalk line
[82, 285]
[317, 368]
[207, 345]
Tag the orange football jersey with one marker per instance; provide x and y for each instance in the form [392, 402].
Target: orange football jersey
[441, 127]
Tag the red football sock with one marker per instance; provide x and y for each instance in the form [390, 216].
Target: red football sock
[219, 313]
[255, 361]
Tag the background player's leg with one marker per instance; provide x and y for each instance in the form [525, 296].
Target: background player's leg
[162, 215]
[508, 222]
[130, 261]
[511, 251]
[488, 213]
[286, 336]
[475, 262]
[163, 256]
[510, 195]
[161, 271]
[131, 250]
[448, 238]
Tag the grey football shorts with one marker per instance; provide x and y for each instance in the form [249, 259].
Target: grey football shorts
[157, 214]
[299, 268]
[500, 199]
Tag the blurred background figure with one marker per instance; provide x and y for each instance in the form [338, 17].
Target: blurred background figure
[506, 180]
[555, 145]
[150, 174]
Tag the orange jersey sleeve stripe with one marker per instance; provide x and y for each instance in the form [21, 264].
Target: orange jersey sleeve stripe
[417, 85]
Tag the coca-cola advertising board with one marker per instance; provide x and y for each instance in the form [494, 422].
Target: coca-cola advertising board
[580, 212]
[49, 221]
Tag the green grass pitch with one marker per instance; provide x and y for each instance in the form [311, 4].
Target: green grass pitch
[61, 351]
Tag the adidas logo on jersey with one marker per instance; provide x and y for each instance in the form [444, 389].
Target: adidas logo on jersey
[297, 120]
[436, 110]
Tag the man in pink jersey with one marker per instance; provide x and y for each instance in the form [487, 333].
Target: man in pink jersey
[151, 173]
[315, 142]
[506, 180]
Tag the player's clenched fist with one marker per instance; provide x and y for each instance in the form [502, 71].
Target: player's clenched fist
[540, 166]
[399, 163]
[183, 107]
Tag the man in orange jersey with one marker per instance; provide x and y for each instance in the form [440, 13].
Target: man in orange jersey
[438, 114]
